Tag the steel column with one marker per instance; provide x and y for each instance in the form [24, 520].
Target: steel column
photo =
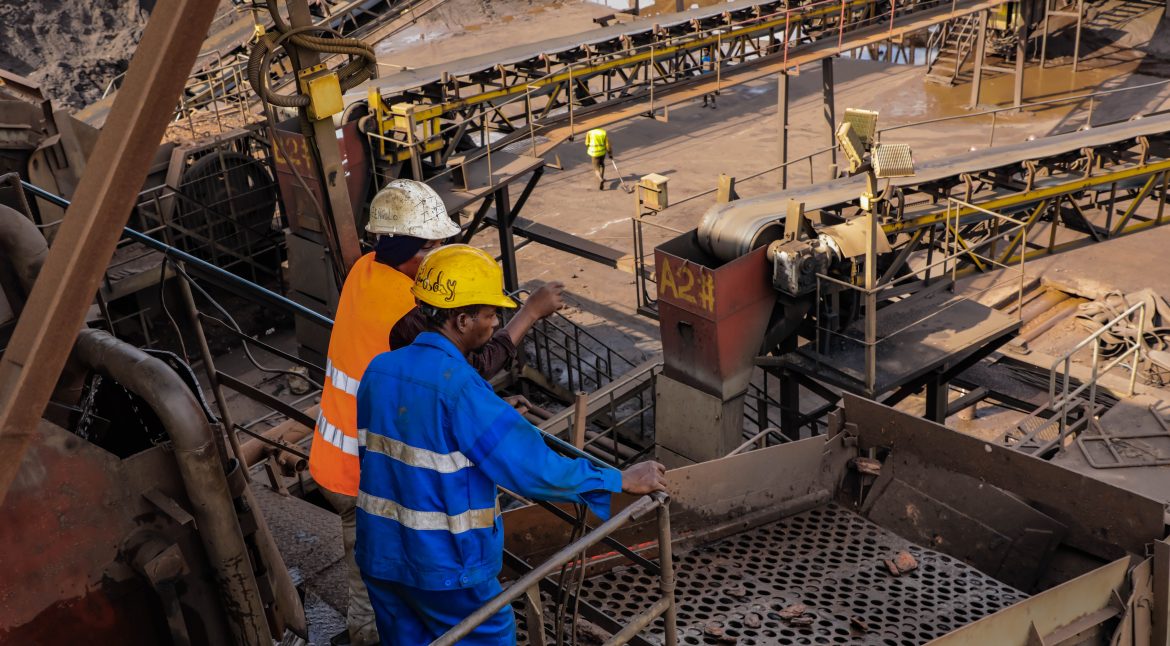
[789, 405]
[504, 221]
[980, 47]
[937, 400]
[830, 111]
[782, 130]
[328, 149]
[86, 240]
[1021, 52]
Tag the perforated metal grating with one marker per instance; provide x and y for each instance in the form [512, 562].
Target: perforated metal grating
[830, 560]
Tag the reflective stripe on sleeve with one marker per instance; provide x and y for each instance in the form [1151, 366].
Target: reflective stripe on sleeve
[335, 436]
[340, 380]
[427, 520]
[416, 457]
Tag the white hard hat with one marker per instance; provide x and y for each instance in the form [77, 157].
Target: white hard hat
[408, 208]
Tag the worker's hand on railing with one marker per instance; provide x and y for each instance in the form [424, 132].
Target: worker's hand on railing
[644, 478]
[546, 300]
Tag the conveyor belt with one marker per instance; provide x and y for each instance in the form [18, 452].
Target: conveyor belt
[729, 230]
[405, 80]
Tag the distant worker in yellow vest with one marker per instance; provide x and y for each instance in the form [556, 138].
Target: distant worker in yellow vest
[597, 145]
[409, 220]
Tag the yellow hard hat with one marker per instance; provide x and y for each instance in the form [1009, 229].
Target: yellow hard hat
[457, 275]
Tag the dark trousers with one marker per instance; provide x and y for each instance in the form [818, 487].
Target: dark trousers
[409, 616]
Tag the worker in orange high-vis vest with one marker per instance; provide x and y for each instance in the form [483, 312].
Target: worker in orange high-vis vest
[409, 219]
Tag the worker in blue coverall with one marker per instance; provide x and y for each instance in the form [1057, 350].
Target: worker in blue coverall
[434, 442]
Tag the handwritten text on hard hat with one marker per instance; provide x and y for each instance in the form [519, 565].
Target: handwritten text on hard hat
[433, 282]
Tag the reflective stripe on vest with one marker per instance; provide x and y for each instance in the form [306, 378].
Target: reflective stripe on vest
[341, 381]
[595, 142]
[413, 456]
[336, 437]
[428, 520]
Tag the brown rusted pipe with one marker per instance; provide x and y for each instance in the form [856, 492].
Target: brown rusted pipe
[1043, 303]
[25, 249]
[200, 467]
[289, 431]
[1048, 320]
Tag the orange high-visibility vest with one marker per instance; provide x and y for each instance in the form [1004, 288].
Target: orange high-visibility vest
[373, 299]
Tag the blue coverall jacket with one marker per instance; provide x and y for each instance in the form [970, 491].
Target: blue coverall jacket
[434, 442]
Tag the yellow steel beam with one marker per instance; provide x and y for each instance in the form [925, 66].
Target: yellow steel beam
[1133, 206]
[1027, 197]
[959, 240]
[1019, 237]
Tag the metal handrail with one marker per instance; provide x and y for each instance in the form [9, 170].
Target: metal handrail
[665, 606]
[1067, 400]
[951, 258]
[220, 275]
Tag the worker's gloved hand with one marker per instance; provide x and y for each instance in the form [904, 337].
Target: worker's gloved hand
[643, 478]
[546, 300]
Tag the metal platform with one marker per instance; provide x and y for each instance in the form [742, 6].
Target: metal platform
[915, 336]
[1141, 445]
[309, 539]
[830, 560]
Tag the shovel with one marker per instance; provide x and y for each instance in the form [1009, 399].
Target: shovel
[625, 187]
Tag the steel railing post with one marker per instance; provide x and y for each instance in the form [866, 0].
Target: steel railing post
[666, 577]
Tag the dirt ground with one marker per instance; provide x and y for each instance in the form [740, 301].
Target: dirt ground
[72, 49]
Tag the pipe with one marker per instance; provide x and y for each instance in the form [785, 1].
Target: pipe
[200, 467]
[1048, 320]
[1042, 304]
[24, 247]
[290, 431]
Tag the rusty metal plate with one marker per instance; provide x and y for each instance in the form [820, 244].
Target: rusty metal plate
[828, 559]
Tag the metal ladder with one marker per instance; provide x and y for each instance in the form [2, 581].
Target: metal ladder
[1072, 405]
[955, 41]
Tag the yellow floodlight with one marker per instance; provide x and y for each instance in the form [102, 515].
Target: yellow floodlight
[864, 123]
[852, 145]
[892, 160]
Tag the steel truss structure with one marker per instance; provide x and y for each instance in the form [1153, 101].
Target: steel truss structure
[1069, 190]
[434, 112]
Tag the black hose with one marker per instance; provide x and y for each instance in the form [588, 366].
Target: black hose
[363, 62]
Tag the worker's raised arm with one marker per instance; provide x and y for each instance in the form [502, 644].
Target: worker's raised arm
[512, 453]
[488, 360]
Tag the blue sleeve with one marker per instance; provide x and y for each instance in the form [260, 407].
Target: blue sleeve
[511, 452]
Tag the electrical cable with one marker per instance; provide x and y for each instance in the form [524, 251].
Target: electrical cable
[236, 326]
[581, 511]
[162, 299]
[566, 571]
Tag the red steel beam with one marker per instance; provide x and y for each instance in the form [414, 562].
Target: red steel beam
[113, 177]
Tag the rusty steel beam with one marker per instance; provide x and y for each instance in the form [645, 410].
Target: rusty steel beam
[93, 224]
